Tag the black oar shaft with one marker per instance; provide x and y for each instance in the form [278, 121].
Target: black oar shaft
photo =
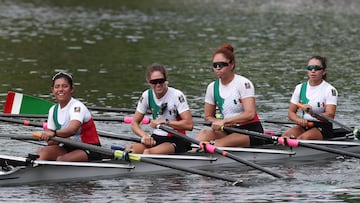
[326, 118]
[275, 139]
[44, 116]
[109, 152]
[191, 170]
[23, 115]
[102, 134]
[333, 121]
[25, 122]
[279, 122]
[221, 152]
[18, 137]
[117, 136]
[331, 150]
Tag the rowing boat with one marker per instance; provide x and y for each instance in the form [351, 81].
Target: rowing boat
[25, 170]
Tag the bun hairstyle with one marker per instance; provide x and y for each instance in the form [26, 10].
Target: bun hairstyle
[228, 51]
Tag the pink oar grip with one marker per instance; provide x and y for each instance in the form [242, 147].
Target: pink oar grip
[292, 142]
[268, 132]
[289, 142]
[208, 147]
[128, 119]
[45, 126]
[146, 120]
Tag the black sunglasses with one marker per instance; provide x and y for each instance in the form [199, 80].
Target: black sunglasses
[220, 64]
[157, 81]
[310, 68]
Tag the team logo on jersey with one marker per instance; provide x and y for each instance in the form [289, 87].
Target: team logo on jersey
[238, 100]
[333, 92]
[247, 85]
[181, 99]
[77, 109]
[141, 99]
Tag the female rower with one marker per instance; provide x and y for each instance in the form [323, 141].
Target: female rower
[234, 97]
[169, 107]
[315, 94]
[69, 118]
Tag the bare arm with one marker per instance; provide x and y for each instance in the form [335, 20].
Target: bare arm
[71, 130]
[185, 123]
[292, 112]
[330, 110]
[248, 114]
[209, 112]
[135, 125]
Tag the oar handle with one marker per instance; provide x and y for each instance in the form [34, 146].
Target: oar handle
[129, 119]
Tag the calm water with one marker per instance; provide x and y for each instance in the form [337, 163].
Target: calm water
[107, 45]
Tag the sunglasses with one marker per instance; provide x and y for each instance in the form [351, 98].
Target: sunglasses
[310, 68]
[220, 64]
[157, 81]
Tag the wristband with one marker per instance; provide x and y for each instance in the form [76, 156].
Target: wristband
[167, 121]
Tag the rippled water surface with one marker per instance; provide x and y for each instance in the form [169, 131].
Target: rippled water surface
[107, 45]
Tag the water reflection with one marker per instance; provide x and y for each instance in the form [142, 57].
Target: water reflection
[107, 45]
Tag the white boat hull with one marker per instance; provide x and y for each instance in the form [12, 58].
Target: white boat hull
[52, 171]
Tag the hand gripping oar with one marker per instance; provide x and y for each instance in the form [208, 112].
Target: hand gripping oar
[355, 131]
[212, 149]
[118, 154]
[291, 142]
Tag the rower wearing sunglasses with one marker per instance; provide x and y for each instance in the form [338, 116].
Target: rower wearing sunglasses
[316, 95]
[168, 106]
[230, 101]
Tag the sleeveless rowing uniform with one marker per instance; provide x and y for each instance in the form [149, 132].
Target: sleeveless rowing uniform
[59, 118]
[170, 106]
[228, 100]
[317, 97]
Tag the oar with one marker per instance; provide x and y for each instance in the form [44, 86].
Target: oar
[330, 120]
[118, 136]
[290, 142]
[25, 122]
[125, 119]
[44, 126]
[118, 154]
[212, 149]
[19, 137]
[18, 103]
[278, 122]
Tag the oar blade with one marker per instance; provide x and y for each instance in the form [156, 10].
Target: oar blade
[17, 103]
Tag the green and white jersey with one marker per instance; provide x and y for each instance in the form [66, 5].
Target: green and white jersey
[169, 106]
[228, 98]
[316, 96]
